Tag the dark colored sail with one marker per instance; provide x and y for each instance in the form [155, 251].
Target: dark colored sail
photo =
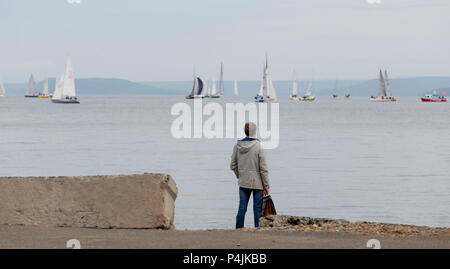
[200, 86]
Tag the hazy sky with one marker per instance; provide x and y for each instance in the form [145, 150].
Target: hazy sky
[152, 40]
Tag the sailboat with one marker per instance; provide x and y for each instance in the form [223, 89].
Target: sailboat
[219, 94]
[236, 90]
[2, 89]
[31, 90]
[294, 88]
[267, 92]
[197, 89]
[45, 93]
[308, 95]
[384, 91]
[65, 90]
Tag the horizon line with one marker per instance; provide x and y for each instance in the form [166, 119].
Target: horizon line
[243, 80]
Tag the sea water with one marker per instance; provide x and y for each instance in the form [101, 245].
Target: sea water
[337, 158]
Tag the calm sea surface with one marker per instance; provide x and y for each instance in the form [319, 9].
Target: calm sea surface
[340, 158]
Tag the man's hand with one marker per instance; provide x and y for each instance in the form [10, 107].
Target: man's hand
[266, 192]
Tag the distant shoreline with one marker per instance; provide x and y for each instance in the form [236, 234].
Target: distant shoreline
[405, 86]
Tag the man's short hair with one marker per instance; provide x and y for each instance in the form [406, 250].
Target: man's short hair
[250, 129]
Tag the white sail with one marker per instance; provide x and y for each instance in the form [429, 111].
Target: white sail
[221, 85]
[265, 83]
[295, 85]
[31, 90]
[68, 89]
[2, 88]
[236, 90]
[213, 88]
[45, 89]
[208, 91]
[205, 87]
[309, 90]
[269, 88]
[272, 93]
[58, 93]
[388, 85]
[261, 89]
[382, 87]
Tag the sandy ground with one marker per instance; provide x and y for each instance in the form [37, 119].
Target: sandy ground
[19, 237]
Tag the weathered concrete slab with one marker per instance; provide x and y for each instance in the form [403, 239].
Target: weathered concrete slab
[125, 201]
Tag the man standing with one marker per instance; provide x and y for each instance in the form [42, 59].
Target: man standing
[249, 164]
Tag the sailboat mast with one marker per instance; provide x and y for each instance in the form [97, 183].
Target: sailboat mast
[265, 83]
[195, 83]
[267, 79]
[295, 85]
[221, 86]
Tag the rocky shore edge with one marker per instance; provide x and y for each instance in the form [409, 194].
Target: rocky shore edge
[307, 224]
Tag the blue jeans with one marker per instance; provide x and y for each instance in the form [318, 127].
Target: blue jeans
[244, 197]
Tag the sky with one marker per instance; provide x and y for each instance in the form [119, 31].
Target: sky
[162, 40]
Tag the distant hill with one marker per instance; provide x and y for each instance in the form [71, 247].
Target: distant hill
[415, 86]
[97, 86]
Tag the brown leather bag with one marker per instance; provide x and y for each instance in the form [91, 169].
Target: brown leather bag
[268, 207]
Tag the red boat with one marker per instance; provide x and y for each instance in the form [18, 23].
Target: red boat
[435, 98]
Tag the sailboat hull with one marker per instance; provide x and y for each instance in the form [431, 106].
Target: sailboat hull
[307, 99]
[195, 97]
[383, 100]
[430, 100]
[31, 96]
[64, 101]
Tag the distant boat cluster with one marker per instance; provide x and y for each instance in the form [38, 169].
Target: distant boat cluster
[64, 92]
[31, 90]
[267, 91]
[201, 89]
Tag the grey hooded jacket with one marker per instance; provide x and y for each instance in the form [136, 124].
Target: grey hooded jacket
[249, 164]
